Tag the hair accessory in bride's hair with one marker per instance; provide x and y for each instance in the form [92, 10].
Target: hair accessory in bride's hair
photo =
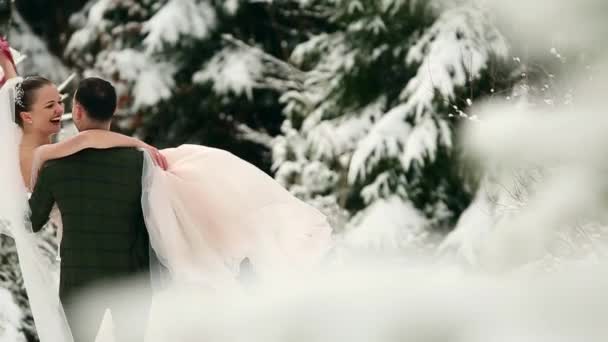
[19, 93]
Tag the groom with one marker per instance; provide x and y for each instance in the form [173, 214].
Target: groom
[99, 195]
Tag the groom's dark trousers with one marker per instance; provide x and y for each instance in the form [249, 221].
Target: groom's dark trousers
[98, 193]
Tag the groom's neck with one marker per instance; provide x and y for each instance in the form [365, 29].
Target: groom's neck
[90, 126]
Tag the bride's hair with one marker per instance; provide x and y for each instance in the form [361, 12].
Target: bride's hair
[26, 95]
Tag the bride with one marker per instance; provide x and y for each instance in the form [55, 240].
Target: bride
[206, 210]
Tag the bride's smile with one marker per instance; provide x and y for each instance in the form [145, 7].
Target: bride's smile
[44, 112]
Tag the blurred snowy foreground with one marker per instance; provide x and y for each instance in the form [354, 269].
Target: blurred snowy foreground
[376, 302]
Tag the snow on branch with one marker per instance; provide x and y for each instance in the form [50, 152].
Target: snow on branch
[176, 19]
[450, 54]
[152, 80]
[240, 68]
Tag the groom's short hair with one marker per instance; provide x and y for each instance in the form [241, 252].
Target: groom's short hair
[97, 97]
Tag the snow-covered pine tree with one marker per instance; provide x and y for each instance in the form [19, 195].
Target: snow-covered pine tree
[10, 318]
[49, 20]
[372, 133]
[192, 71]
[39, 61]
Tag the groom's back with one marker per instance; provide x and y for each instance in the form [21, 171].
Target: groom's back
[98, 193]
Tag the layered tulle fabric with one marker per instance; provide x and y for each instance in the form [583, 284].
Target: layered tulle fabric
[211, 211]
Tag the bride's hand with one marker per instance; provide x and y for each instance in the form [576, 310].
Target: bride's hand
[6, 60]
[158, 158]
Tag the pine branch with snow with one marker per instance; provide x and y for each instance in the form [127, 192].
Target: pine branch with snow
[375, 109]
[194, 71]
[38, 59]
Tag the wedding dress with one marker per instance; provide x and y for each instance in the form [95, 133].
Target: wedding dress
[38, 277]
[211, 211]
[208, 214]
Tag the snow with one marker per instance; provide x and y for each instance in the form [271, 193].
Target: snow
[97, 12]
[90, 22]
[152, 81]
[336, 137]
[446, 62]
[355, 6]
[383, 187]
[10, 318]
[314, 43]
[231, 6]
[455, 50]
[39, 61]
[421, 143]
[79, 40]
[465, 241]
[318, 177]
[363, 138]
[178, 19]
[386, 139]
[237, 71]
[332, 138]
[153, 85]
[143, 67]
[386, 225]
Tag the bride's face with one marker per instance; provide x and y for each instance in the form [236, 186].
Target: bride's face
[45, 113]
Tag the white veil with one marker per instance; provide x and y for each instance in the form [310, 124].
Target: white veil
[49, 317]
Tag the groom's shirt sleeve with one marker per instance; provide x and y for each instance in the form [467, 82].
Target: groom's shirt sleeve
[41, 201]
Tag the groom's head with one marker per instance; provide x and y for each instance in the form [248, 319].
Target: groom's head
[94, 104]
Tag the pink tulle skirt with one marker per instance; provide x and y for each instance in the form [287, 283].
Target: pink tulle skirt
[211, 211]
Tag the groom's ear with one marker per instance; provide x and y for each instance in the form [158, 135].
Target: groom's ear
[77, 111]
